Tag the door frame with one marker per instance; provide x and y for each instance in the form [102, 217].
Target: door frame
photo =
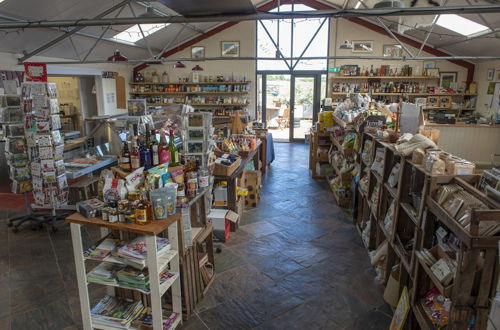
[316, 95]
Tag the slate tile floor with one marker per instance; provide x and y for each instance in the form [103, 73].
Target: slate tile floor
[297, 262]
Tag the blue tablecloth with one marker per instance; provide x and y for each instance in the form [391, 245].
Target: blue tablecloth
[269, 148]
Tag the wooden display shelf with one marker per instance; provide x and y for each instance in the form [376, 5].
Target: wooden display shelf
[193, 83]
[463, 234]
[421, 317]
[386, 77]
[153, 228]
[445, 290]
[423, 94]
[200, 105]
[377, 176]
[402, 254]
[392, 191]
[188, 93]
[409, 212]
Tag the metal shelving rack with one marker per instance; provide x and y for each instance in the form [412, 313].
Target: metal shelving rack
[155, 262]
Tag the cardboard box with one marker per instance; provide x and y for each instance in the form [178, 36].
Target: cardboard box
[221, 220]
[252, 183]
[220, 196]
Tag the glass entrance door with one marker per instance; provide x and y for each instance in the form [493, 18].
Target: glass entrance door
[305, 101]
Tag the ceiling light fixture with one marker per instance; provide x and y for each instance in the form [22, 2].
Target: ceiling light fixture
[117, 57]
[358, 4]
[197, 68]
[179, 65]
[389, 4]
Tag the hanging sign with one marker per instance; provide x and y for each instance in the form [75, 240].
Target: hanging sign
[334, 70]
[35, 71]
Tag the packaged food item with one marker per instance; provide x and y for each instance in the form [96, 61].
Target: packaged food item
[417, 156]
[135, 179]
[434, 164]
[178, 176]
[394, 175]
[378, 163]
[114, 190]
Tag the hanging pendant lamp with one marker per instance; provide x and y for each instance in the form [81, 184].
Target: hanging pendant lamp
[179, 65]
[197, 68]
[117, 57]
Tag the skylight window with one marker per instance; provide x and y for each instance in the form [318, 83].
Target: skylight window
[133, 34]
[460, 25]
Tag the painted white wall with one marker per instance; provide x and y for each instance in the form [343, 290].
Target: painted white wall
[347, 30]
[9, 62]
[481, 78]
[244, 32]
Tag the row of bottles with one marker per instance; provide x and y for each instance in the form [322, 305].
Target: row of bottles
[148, 152]
[383, 71]
[176, 88]
[156, 78]
[151, 77]
[377, 87]
[159, 99]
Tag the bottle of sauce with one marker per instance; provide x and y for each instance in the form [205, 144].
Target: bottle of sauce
[144, 210]
[135, 162]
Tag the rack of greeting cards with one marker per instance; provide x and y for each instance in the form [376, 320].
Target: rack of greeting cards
[45, 147]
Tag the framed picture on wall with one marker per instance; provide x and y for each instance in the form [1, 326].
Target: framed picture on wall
[230, 48]
[491, 88]
[491, 74]
[360, 46]
[393, 51]
[446, 78]
[197, 52]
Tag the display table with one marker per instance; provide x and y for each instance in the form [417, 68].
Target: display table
[476, 143]
[155, 262]
[231, 180]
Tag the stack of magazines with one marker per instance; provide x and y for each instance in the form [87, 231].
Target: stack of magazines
[134, 252]
[116, 312]
[134, 279]
[105, 273]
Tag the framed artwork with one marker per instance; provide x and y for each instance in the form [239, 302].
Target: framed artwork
[429, 64]
[446, 78]
[197, 52]
[230, 48]
[491, 88]
[491, 74]
[362, 46]
[433, 72]
[137, 107]
[393, 51]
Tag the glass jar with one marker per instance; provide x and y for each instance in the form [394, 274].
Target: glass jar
[203, 177]
[113, 215]
[105, 214]
[192, 184]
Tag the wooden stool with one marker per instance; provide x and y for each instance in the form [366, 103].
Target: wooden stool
[83, 189]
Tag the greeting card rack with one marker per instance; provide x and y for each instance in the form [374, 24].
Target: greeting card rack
[45, 148]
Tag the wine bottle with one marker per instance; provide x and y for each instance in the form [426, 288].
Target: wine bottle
[163, 150]
[155, 156]
[125, 157]
[174, 153]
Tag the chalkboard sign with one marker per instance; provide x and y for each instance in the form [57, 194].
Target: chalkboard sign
[372, 121]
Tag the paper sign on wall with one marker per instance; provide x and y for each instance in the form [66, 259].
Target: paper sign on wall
[35, 71]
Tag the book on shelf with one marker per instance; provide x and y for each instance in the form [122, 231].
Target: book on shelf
[103, 250]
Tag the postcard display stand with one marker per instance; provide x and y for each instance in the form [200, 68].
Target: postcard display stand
[45, 146]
